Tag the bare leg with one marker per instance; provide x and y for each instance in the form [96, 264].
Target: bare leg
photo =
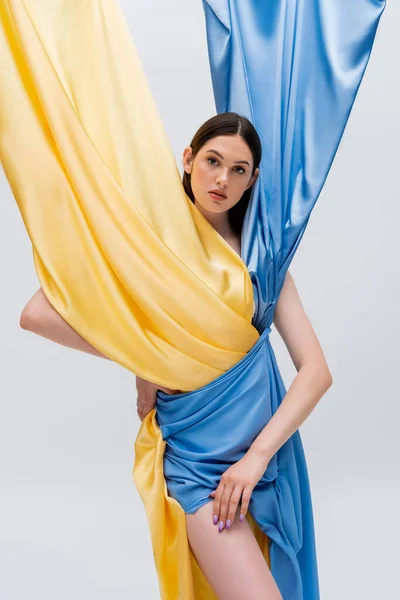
[231, 561]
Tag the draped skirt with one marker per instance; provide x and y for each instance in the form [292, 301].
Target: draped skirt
[185, 445]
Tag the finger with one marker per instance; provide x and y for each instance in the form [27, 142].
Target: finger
[224, 506]
[144, 412]
[215, 516]
[144, 405]
[233, 504]
[246, 494]
[217, 502]
[139, 406]
[166, 390]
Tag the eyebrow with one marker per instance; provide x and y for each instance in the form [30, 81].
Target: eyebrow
[237, 162]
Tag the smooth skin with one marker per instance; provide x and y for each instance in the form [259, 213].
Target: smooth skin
[224, 545]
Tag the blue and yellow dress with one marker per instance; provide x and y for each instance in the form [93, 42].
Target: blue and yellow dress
[116, 246]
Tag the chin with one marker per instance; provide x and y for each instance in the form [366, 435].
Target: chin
[216, 208]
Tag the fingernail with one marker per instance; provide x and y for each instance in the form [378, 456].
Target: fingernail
[241, 518]
[215, 519]
[220, 526]
[228, 523]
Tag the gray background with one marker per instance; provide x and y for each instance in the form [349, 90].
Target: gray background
[71, 521]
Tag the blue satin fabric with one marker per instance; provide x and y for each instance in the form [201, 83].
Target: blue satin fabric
[293, 67]
[209, 429]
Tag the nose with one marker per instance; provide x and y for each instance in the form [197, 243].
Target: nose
[222, 179]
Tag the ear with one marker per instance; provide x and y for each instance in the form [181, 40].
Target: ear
[187, 159]
[253, 179]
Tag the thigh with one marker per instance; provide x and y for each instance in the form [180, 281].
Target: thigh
[231, 560]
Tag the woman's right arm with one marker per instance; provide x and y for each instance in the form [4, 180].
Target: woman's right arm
[41, 318]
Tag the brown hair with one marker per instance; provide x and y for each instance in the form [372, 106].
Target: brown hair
[228, 123]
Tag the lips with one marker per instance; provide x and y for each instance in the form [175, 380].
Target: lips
[217, 195]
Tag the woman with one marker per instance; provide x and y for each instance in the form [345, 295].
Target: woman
[224, 156]
[166, 287]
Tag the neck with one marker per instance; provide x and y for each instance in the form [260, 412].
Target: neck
[220, 221]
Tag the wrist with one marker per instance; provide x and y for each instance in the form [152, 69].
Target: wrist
[262, 453]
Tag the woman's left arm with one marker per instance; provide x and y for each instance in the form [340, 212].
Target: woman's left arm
[310, 384]
[313, 377]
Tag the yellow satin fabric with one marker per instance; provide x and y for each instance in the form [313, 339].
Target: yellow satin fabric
[120, 251]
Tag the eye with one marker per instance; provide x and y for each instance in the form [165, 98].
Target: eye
[242, 170]
[212, 158]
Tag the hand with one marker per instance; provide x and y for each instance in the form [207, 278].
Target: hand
[147, 395]
[237, 483]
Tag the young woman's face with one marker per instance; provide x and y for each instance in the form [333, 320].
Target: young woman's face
[225, 164]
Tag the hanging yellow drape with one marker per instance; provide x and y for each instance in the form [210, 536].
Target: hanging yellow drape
[120, 251]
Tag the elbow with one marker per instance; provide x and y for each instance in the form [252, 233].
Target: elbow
[329, 378]
[321, 376]
[29, 319]
[36, 314]
[25, 320]
[325, 377]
